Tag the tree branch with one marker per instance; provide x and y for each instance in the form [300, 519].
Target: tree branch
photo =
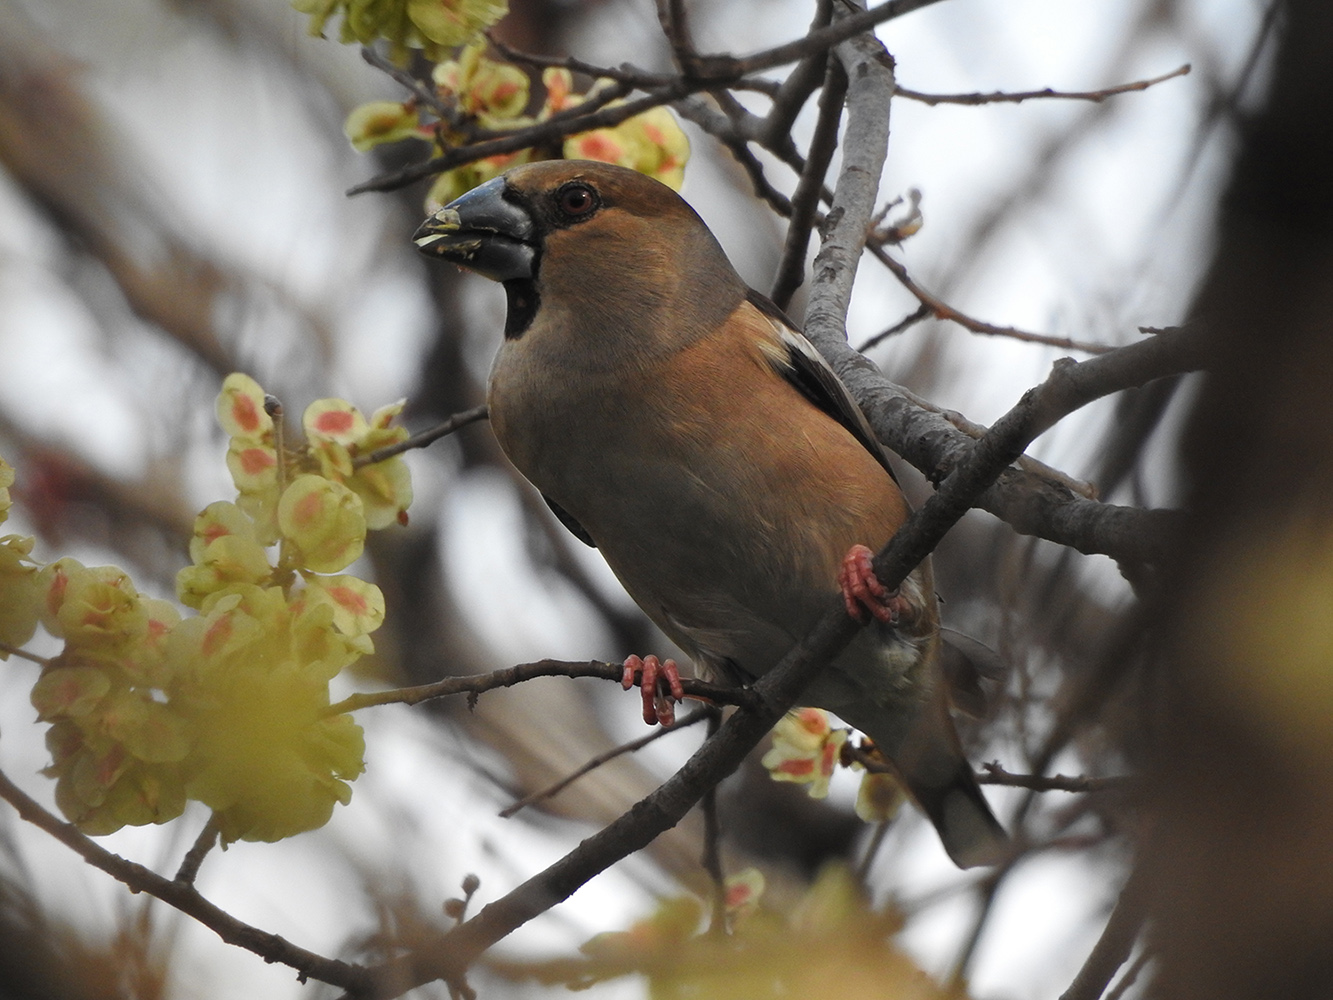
[1001, 97]
[510, 676]
[805, 200]
[1113, 947]
[421, 440]
[184, 897]
[942, 310]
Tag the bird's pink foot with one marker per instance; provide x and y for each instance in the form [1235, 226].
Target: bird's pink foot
[659, 684]
[862, 591]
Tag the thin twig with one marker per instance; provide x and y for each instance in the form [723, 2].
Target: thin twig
[557, 127]
[23, 654]
[872, 848]
[194, 857]
[722, 128]
[633, 746]
[943, 310]
[423, 92]
[421, 440]
[994, 774]
[1002, 97]
[923, 311]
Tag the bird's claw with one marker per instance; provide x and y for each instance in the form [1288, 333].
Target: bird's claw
[862, 592]
[660, 685]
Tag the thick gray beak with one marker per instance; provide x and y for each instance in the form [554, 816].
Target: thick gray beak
[482, 232]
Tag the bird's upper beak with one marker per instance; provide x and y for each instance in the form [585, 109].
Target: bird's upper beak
[483, 232]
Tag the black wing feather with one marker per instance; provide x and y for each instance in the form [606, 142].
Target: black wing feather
[814, 379]
[565, 518]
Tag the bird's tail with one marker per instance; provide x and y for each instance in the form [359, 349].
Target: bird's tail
[930, 761]
[969, 831]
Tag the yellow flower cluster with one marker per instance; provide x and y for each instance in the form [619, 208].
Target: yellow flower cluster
[495, 95]
[434, 26]
[806, 748]
[228, 707]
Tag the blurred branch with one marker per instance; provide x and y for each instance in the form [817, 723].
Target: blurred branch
[1114, 946]
[994, 774]
[194, 857]
[54, 143]
[184, 897]
[1000, 97]
[633, 746]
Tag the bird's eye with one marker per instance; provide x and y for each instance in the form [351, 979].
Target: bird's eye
[576, 200]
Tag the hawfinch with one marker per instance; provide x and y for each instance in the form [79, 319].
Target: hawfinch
[676, 420]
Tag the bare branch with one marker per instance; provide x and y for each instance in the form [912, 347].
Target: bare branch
[194, 857]
[710, 73]
[1001, 97]
[923, 311]
[943, 310]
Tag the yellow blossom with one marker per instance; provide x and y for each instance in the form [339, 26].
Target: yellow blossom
[805, 750]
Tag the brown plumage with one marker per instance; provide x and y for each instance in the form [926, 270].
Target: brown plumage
[676, 420]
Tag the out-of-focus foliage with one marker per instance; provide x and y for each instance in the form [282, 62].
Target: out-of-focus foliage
[831, 943]
[434, 26]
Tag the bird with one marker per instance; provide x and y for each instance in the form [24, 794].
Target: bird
[678, 421]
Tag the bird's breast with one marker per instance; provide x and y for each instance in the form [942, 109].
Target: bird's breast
[718, 495]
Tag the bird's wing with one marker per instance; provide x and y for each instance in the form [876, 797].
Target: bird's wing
[800, 363]
[567, 519]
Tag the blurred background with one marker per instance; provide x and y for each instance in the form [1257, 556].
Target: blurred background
[172, 209]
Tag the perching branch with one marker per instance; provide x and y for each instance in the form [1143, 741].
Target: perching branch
[480, 683]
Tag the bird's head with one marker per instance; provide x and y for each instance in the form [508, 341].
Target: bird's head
[575, 234]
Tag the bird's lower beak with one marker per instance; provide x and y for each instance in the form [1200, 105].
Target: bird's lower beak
[483, 232]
